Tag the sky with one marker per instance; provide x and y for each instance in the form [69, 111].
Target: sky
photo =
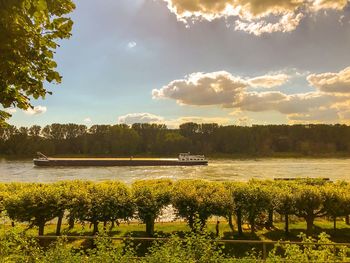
[238, 62]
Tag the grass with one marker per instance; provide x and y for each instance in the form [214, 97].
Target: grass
[134, 229]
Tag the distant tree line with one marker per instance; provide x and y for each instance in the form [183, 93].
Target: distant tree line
[157, 139]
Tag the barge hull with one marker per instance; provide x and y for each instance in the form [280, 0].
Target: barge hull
[116, 162]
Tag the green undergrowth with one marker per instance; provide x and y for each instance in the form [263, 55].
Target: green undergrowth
[181, 229]
[194, 247]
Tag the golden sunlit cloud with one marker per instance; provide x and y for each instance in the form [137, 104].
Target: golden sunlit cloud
[286, 104]
[323, 115]
[203, 89]
[198, 119]
[216, 88]
[269, 81]
[331, 82]
[145, 117]
[253, 16]
[227, 91]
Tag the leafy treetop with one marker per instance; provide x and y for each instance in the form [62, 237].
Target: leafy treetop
[30, 30]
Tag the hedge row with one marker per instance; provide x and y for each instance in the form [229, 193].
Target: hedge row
[253, 202]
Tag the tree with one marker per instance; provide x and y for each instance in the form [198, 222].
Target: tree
[230, 207]
[238, 191]
[189, 129]
[151, 197]
[30, 30]
[257, 201]
[337, 202]
[149, 135]
[197, 198]
[268, 188]
[64, 190]
[35, 203]
[284, 202]
[309, 204]
[221, 201]
[102, 202]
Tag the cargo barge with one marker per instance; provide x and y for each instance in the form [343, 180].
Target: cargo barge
[184, 159]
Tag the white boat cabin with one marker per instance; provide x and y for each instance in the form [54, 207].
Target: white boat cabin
[187, 157]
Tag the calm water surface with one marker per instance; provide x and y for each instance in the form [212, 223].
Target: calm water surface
[217, 170]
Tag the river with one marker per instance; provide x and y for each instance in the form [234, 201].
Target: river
[217, 170]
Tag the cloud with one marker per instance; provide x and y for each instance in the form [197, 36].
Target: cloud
[286, 104]
[328, 4]
[323, 115]
[286, 23]
[241, 119]
[174, 123]
[227, 91]
[256, 102]
[269, 81]
[132, 44]
[312, 107]
[216, 88]
[87, 120]
[345, 113]
[203, 89]
[140, 118]
[331, 82]
[253, 16]
[10, 110]
[171, 123]
[36, 110]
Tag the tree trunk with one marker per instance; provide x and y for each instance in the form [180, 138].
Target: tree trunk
[309, 225]
[230, 223]
[41, 228]
[150, 227]
[347, 220]
[95, 230]
[239, 223]
[334, 223]
[191, 222]
[270, 219]
[252, 225]
[217, 228]
[104, 225]
[71, 223]
[59, 225]
[286, 226]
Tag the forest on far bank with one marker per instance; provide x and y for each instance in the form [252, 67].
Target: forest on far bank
[156, 139]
